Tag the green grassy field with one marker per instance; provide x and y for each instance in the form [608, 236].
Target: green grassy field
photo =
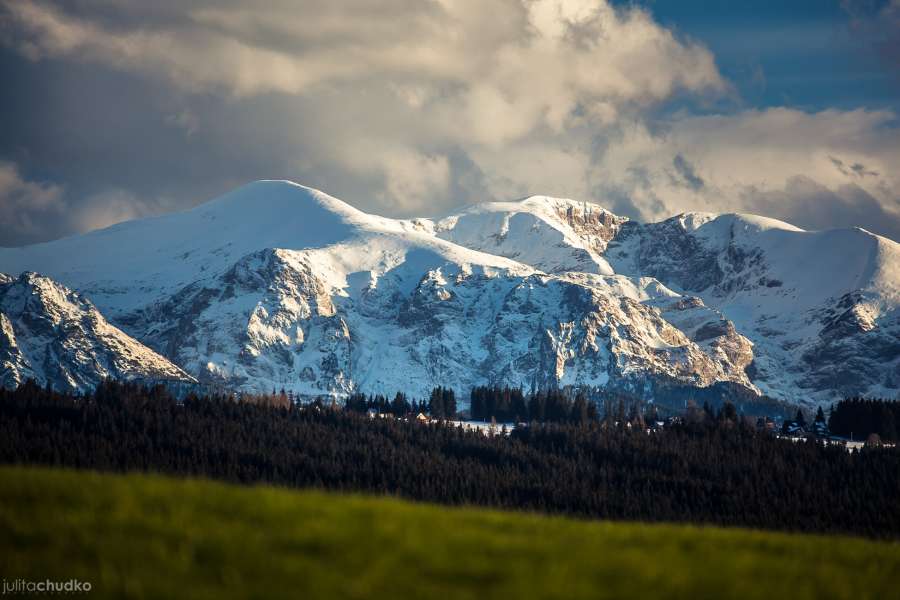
[154, 537]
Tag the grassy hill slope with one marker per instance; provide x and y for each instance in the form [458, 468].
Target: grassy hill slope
[153, 537]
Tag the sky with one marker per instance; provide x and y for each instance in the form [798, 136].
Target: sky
[118, 109]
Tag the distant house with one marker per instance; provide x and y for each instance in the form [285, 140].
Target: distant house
[422, 418]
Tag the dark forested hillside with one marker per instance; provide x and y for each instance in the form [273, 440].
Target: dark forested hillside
[710, 471]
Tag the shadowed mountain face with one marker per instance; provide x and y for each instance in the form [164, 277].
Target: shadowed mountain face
[278, 285]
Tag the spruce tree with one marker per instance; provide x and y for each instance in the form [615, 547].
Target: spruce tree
[436, 404]
[820, 416]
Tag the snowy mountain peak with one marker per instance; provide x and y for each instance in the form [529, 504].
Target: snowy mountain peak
[157, 256]
[266, 201]
[552, 234]
[692, 221]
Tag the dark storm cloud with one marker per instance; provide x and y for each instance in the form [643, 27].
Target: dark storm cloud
[115, 146]
[811, 205]
[27, 207]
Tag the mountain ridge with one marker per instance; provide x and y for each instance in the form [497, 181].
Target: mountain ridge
[312, 294]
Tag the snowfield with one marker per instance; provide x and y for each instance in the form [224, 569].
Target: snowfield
[279, 285]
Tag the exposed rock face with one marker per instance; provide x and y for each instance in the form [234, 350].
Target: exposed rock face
[858, 347]
[665, 251]
[16, 367]
[266, 322]
[53, 335]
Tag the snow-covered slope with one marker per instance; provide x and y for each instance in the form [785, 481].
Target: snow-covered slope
[52, 335]
[278, 285]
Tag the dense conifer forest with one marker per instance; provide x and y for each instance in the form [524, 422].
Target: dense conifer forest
[860, 418]
[713, 468]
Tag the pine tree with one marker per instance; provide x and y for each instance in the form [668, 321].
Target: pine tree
[728, 413]
[400, 406]
[476, 403]
[436, 404]
[449, 403]
[820, 416]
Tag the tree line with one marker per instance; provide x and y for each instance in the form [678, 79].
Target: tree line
[400, 405]
[860, 418]
[503, 404]
[706, 470]
[547, 406]
[440, 405]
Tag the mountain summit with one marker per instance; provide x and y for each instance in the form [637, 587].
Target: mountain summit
[279, 285]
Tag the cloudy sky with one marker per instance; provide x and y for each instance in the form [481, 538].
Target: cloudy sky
[115, 109]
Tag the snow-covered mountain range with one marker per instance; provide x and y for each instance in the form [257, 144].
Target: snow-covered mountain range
[278, 285]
